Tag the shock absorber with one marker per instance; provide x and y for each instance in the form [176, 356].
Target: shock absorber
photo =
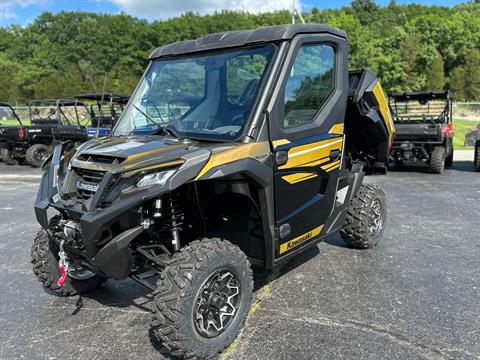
[176, 217]
[169, 209]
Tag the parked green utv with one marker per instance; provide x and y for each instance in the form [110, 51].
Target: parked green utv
[237, 149]
[424, 129]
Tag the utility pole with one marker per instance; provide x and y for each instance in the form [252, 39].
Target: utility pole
[296, 12]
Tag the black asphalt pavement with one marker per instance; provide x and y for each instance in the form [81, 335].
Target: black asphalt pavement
[415, 296]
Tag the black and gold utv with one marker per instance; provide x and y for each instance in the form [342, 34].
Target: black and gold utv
[239, 148]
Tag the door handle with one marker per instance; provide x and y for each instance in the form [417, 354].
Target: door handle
[281, 157]
[335, 155]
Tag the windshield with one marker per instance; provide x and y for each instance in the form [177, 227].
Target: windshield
[203, 97]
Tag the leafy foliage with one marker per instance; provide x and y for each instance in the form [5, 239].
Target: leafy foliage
[410, 47]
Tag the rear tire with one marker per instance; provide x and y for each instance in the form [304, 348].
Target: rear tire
[476, 160]
[7, 156]
[366, 216]
[437, 160]
[183, 300]
[36, 154]
[45, 268]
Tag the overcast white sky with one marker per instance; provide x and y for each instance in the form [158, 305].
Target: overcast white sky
[168, 9]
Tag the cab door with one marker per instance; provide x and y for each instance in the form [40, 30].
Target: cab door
[306, 130]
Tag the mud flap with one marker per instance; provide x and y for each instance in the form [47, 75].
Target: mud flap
[348, 186]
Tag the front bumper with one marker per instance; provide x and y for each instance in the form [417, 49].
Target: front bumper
[120, 220]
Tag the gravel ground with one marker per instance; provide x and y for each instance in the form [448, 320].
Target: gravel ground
[415, 296]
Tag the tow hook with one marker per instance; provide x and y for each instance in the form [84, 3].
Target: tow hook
[63, 266]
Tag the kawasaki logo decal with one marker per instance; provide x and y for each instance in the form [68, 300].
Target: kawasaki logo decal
[300, 239]
[87, 187]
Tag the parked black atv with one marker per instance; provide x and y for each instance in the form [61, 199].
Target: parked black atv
[52, 122]
[235, 149]
[424, 131]
[472, 136]
[104, 110]
[12, 137]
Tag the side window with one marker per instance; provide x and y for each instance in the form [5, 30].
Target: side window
[244, 73]
[310, 83]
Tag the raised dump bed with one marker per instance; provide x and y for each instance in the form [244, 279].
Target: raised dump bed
[369, 127]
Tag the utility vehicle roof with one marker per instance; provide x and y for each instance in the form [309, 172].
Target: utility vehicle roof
[421, 95]
[229, 39]
[2, 104]
[98, 96]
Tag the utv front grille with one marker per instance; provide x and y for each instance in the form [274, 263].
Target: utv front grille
[87, 183]
[103, 159]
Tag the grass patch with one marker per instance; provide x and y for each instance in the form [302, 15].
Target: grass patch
[12, 123]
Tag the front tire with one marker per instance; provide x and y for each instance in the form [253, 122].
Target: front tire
[437, 160]
[366, 216]
[36, 154]
[45, 268]
[208, 280]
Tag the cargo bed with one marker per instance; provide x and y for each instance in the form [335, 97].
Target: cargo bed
[369, 127]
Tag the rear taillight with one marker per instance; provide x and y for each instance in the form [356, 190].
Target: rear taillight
[21, 133]
[448, 130]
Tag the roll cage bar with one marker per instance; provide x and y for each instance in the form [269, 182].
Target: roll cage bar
[418, 106]
[100, 99]
[59, 113]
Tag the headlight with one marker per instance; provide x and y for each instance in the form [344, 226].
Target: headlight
[158, 178]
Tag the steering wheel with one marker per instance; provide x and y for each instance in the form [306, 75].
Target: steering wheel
[238, 120]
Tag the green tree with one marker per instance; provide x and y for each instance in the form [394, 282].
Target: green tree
[435, 74]
[59, 54]
[472, 75]
[457, 83]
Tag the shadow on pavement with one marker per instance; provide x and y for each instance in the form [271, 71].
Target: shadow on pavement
[466, 166]
[121, 294]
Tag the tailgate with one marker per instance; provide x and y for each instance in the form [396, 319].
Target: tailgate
[417, 132]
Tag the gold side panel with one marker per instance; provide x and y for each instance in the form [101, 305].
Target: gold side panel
[153, 167]
[277, 143]
[150, 152]
[337, 129]
[239, 152]
[317, 162]
[305, 155]
[384, 110]
[298, 177]
[331, 166]
[300, 239]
